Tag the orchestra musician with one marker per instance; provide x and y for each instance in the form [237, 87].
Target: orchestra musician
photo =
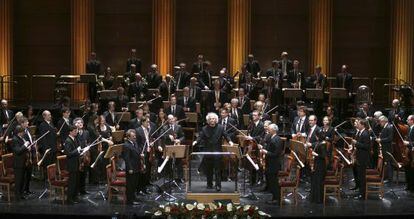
[138, 89]
[252, 66]
[236, 113]
[83, 139]
[73, 151]
[132, 155]
[198, 66]
[217, 97]
[108, 79]
[49, 141]
[133, 60]
[110, 117]
[296, 76]
[204, 77]
[24, 123]
[319, 171]
[244, 101]
[63, 124]
[396, 113]
[344, 80]
[300, 124]
[153, 77]
[409, 169]
[21, 150]
[255, 133]
[93, 66]
[175, 109]
[285, 65]
[210, 140]
[274, 153]
[228, 122]
[186, 101]
[386, 138]
[130, 76]
[182, 76]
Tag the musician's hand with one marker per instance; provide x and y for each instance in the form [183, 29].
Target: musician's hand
[177, 141]
[354, 141]
[79, 149]
[406, 143]
[159, 148]
[264, 151]
[117, 126]
[5, 125]
[110, 142]
[142, 155]
[314, 154]
[206, 88]
[130, 171]
[249, 137]
[194, 143]
[308, 144]
[260, 146]
[149, 102]
[378, 140]
[231, 143]
[171, 137]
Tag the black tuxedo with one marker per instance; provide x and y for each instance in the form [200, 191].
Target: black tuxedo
[176, 130]
[288, 63]
[273, 164]
[197, 67]
[293, 77]
[72, 166]
[49, 141]
[179, 111]
[311, 136]
[237, 115]
[166, 89]
[257, 132]
[5, 118]
[131, 155]
[226, 83]
[195, 92]
[134, 123]
[20, 153]
[64, 132]
[344, 80]
[138, 90]
[362, 158]
[228, 127]
[386, 137]
[135, 61]
[121, 101]
[250, 90]
[153, 80]
[253, 67]
[244, 104]
[191, 103]
[295, 126]
[182, 78]
[222, 98]
[141, 143]
[315, 79]
[205, 79]
[93, 66]
[111, 121]
[393, 112]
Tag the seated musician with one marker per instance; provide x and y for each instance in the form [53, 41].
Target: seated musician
[236, 113]
[274, 153]
[409, 169]
[173, 135]
[244, 101]
[210, 140]
[110, 117]
[300, 124]
[186, 101]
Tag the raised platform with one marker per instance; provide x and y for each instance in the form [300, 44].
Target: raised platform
[200, 193]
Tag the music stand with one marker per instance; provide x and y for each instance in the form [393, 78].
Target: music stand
[292, 94]
[108, 94]
[398, 166]
[132, 106]
[126, 116]
[237, 152]
[298, 147]
[314, 93]
[118, 136]
[88, 78]
[172, 151]
[338, 93]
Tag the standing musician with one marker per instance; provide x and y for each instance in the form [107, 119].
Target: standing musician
[385, 138]
[217, 97]
[175, 135]
[136, 122]
[132, 155]
[328, 133]
[236, 113]
[295, 76]
[186, 101]
[204, 77]
[300, 124]
[138, 89]
[104, 131]
[319, 169]
[121, 100]
[145, 134]
[396, 113]
[344, 80]
[210, 140]
[21, 155]
[6, 115]
[133, 60]
[198, 66]
[63, 125]
[182, 76]
[286, 65]
[274, 153]
[244, 101]
[49, 141]
[167, 87]
[93, 66]
[110, 116]
[174, 109]
[24, 123]
[255, 133]
[264, 141]
[83, 139]
[311, 140]
[253, 66]
[409, 168]
[153, 77]
[225, 120]
[73, 151]
[362, 143]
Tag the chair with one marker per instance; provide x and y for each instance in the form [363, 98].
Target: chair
[333, 183]
[56, 184]
[116, 184]
[118, 174]
[61, 167]
[6, 182]
[290, 185]
[286, 172]
[246, 119]
[377, 170]
[375, 183]
[8, 161]
[332, 174]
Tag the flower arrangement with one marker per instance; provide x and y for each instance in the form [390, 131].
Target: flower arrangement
[208, 210]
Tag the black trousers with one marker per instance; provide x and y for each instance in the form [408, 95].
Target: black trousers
[27, 178]
[272, 181]
[356, 175]
[82, 179]
[73, 185]
[213, 167]
[131, 186]
[19, 182]
[361, 172]
[409, 177]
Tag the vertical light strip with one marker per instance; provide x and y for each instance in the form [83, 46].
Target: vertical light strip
[163, 21]
[320, 28]
[82, 20]
[238, 33]
[6, 44]
[402, 28]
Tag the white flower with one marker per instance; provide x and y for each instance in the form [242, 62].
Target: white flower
[167, 209]
[246, 207]
[200, 206]
[189, 207]
[229, 207]
[158, 213]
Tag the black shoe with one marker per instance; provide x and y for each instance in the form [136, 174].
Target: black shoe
[209, 186]
[358, 197]
[133, 203]
[353, 188]
[218, 188]
[28, 192]
[84, 192]
[146, 192]
[71, 202]
[272, 202]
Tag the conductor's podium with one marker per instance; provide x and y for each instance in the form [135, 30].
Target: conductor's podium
[198, 190]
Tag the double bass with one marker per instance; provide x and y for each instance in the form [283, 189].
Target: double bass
[399, 149]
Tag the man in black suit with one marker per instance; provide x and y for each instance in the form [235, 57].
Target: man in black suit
[174, 134]
[255, 133]
[83, 139]
[24, 123]
[121, 100]
[244, 101]
[236, 113]
[133, 60]
[198, 66]
[130, 76]
[273, 92]
[153, 77]
[174, 109]
[274, 155]
[362, 143]
[409, 170]
[285, 64]
[210, 139]
[311, 137]
[228, 122]
[386, 138]
[396, 113]
[195, 91]
[182, 77]
[73, 151]
[204, 78]
[318, 79]
[296, 76]
[217, 97]
[167, 88]
[226, 81]
[364, 111]
[138, 89]
[21, 152]
[63, 124]
[274, 70]
[132, 155]
[6, 115]
[136, 122]
[93, 66]
[344, 80]
[186, 101]
[110, 117]
[49, 141]
[252, 66]
[300, 124]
